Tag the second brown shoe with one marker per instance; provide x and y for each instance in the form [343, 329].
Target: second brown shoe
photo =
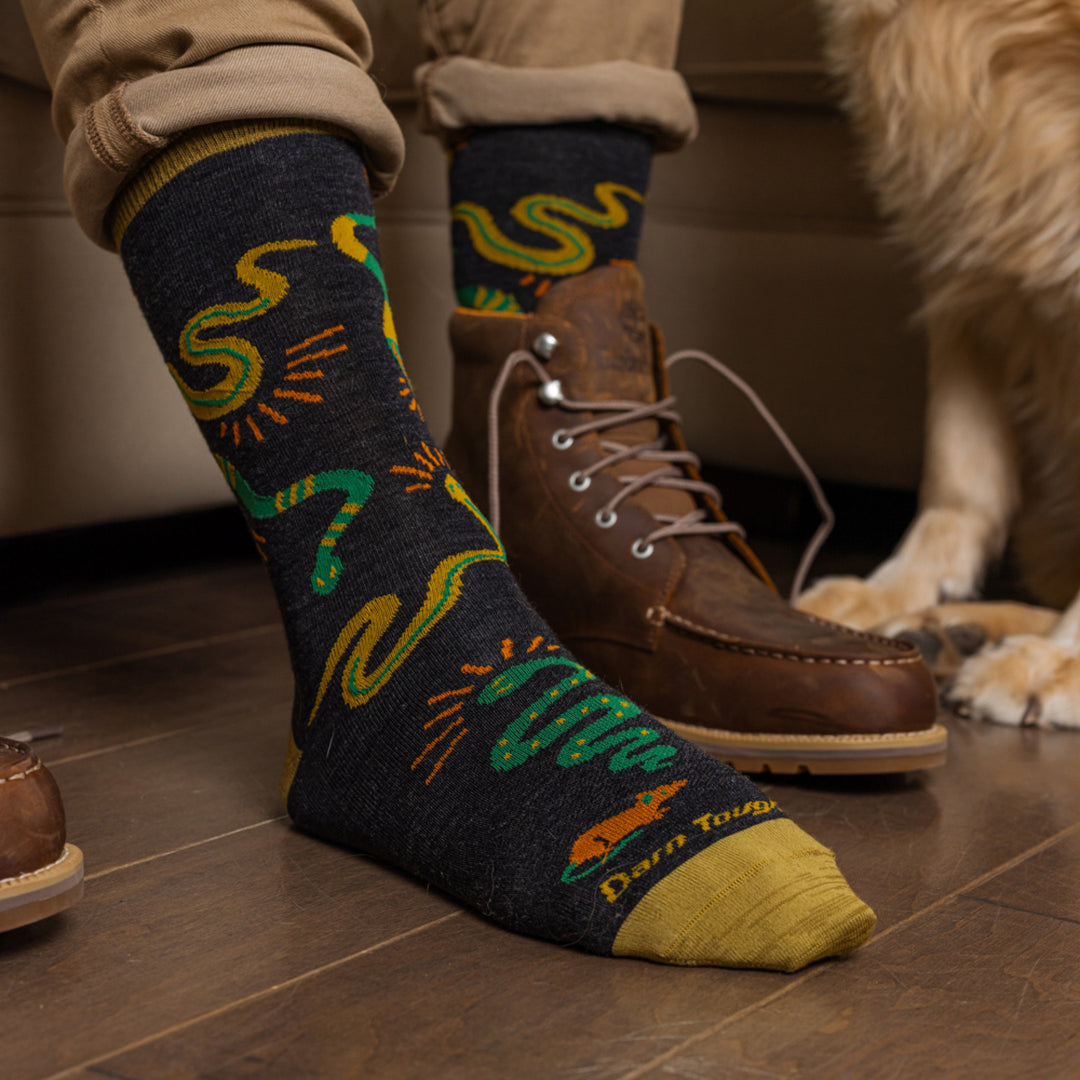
[625, 552]
[40, 874]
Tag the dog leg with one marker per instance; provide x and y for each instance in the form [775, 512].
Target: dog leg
[968, 494]
[1026, 679]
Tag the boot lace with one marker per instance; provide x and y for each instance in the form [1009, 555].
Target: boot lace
[670, 470]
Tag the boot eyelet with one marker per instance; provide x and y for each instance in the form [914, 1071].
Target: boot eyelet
[579, 482]
[561, 441]
[606, 518]
[641, 550]
[551, 392]
[544, 345]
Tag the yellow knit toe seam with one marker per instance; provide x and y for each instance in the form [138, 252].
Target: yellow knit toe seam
[737, 883]
[805, 910]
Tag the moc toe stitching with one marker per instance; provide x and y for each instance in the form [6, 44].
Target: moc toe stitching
[850, 631]
[725, 641]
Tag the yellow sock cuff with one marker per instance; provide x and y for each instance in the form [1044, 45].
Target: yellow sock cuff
[767, 897]
[194, 146]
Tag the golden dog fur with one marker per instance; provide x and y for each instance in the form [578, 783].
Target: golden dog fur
[969, 111]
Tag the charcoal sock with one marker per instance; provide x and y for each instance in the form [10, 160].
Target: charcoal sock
[532, 205]
[438, 723]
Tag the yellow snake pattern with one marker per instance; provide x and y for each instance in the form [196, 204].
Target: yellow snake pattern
[241, 360]
[343, 233]
[574, 251]
[372, 621]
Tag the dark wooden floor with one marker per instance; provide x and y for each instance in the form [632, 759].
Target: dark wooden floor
[215, 941]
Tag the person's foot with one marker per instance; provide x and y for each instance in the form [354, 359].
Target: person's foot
[40, 874]
[642, 579]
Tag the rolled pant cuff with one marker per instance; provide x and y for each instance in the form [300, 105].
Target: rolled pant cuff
[118, 132]
[459, 92]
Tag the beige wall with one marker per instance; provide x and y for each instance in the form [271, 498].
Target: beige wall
[760, 246]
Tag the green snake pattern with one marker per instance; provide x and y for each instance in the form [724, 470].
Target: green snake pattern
[604, 712]
[357, 487]
[343, 233]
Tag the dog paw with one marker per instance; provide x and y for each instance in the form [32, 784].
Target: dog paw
[943, 645]
[948, 634]
[1026, 680]
[853, 602]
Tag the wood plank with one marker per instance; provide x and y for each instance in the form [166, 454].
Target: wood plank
[173, 939]
[195, 688]
[465, 1002]
[96, 626]
[1046, 884]
[142, 800]
[906, 842]
[973, 990]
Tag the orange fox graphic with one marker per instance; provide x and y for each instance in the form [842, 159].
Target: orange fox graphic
[606, 837]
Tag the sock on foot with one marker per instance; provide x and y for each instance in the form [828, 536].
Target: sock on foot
[438, 723]
[532, 205]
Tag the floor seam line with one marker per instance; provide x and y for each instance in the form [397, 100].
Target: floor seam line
[146, 740]
[1022, 910]
[1009, 864]
[740, 1014]
[183, 847]
[143, 654]
[191, 578]
[73, 1070]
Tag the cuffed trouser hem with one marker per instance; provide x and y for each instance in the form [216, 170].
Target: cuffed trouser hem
[117, 133]
[460, 92]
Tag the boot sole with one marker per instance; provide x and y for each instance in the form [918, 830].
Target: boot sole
[821, 755]
[41, 893]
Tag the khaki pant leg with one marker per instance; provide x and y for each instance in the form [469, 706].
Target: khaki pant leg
[127, 75]
[554, 61]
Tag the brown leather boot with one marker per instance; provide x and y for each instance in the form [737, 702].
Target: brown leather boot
[624, 550]
[39, 873]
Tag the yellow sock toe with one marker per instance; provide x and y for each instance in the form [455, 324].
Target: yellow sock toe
[768, 897]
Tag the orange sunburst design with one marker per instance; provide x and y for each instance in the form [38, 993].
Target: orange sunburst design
[259, 541]
[317, 347]
[320, 355]
[451, 705]
[428, 461]
[451, 713]
[298, 395]
[273, 414]
[315, 337]
[508, 648]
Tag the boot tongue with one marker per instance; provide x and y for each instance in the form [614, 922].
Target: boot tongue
[606, 307]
